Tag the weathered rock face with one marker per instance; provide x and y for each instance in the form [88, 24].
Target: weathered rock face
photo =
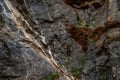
[34, 44]
[102, 58]
[18, 60]
[114, 59]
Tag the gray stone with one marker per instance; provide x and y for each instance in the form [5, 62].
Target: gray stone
[89, 66]
[115, 59]
[101, 60]
[37, 25]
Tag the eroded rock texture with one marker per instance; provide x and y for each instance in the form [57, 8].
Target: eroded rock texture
[34, 43]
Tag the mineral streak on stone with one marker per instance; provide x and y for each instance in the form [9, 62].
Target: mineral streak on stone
[35, 45]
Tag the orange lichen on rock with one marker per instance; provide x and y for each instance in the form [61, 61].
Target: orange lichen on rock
[112, 24]
[83, 34]
[98, 31]
[80, 35]
[78, 4]
[96, 5]
[83, 4]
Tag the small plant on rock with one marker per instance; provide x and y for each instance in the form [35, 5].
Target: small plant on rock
[82, 62]
[75, 72]
[53, 76]
[103, 75]
[81, 25]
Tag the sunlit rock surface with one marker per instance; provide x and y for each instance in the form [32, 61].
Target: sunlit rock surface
[34, 44]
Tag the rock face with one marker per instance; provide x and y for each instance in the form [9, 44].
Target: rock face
[114, 59]
[34, 43]
[102, 58]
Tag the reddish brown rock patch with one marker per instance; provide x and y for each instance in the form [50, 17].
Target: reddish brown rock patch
[83, 35]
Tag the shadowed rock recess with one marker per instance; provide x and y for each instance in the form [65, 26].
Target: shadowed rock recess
[59, 39]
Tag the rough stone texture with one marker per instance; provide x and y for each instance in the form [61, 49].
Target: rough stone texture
[40, 24]
[18, 61]
[104, 58]
[115, 59]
